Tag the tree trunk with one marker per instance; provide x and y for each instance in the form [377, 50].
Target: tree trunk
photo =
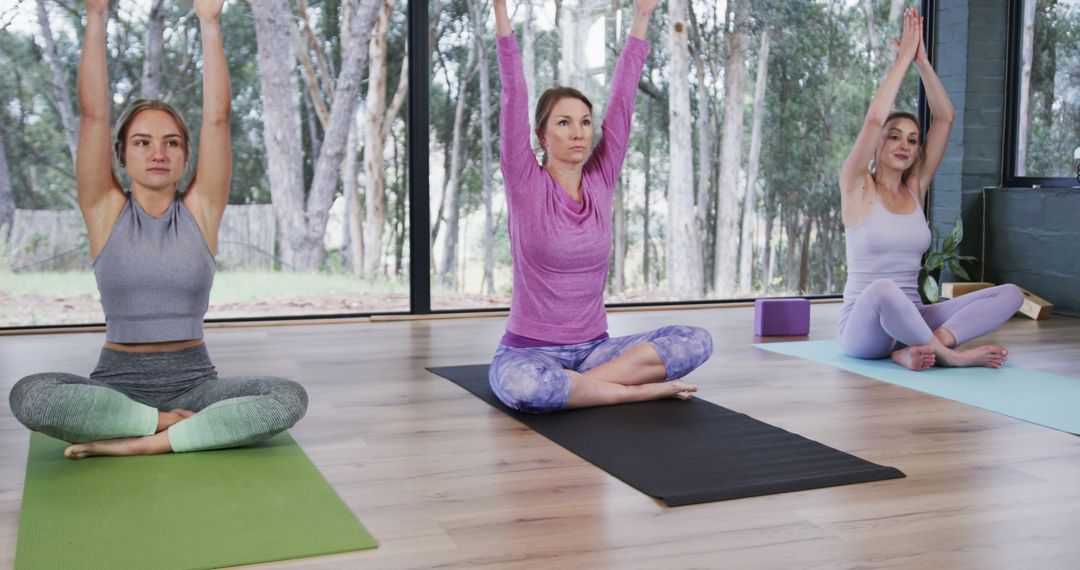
[1024, 109]
[749, 211]
[374, 145]
[449, 262]
[150, 84]
[769, 263]
[59, 82]
[618, 242]
[303, 224]
[528, 55]
[645, 239]
[685, 262]
[343, 108]
[791, 225]
[704, 132]
[7, 193]
[281, 125]
[486, 175]
[871, 32]
[727, 203]
[804, 256]
[354, 210]
[400, 216]
[896, 7]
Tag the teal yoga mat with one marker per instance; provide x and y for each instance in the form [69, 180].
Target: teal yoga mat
[1037, 397]
[186, 510]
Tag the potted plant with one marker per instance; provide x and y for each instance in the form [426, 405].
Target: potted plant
[943, 254]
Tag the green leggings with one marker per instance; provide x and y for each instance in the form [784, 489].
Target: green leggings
[121, 398]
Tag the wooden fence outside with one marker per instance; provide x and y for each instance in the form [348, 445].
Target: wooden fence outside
[55, 240]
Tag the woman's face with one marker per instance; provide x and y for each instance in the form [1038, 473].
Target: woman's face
[898, 148]
[154, 150]
[568, 132]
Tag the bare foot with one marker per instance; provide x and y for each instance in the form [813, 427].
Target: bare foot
[145, 445]
[678, 389]
[171, 417]
[915, 357]
[988, 355]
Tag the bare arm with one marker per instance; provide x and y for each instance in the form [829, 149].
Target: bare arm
[643, 10]
[209, 191]
[99, 193]
[502, 19]
[854, 168]
[941, 109]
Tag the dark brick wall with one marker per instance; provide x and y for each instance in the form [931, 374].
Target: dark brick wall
[1033, 240]
[970, 58]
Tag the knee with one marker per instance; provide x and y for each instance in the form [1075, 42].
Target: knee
[1014, 297]
[26, 397]
[291, 399]
[683, 349]
[532, 387]
[883, 288]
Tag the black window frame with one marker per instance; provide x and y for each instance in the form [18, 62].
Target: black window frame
[1013, 61]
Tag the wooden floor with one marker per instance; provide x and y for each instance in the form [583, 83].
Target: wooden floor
[443, 480]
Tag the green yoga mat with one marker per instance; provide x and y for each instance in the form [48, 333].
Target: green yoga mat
[1038, 397]
[186, 510]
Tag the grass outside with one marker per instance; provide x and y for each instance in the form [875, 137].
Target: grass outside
[48, 298]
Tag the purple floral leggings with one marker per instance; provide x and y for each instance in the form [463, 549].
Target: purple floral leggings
[535, 380]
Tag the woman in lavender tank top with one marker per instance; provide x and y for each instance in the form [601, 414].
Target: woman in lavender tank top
[556, 352]
[887, 234]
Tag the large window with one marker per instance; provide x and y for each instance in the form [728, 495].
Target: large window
[744, 114]
[342, 248]
[1046, 42]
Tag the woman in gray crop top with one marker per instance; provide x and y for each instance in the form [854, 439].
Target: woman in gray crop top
[887, 235]
[154, 389]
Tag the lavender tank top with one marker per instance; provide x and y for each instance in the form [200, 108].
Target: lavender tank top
[154, 276]
[885, 246]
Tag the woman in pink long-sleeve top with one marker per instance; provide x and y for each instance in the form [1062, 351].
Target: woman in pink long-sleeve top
[556, 352]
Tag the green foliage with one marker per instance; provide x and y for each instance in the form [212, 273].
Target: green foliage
[944, 254]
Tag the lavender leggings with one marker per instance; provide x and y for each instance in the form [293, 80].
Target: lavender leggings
[883, 318]
[535, 379]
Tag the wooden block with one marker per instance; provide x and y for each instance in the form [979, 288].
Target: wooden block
[1035, 307]
[953, 290]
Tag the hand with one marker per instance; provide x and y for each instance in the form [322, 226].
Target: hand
[209, 10]
[645, 7]
[908, 45]
[921, 55]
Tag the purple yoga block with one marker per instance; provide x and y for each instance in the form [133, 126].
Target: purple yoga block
[781, 317]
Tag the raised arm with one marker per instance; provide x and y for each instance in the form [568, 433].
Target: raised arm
[516, 155]
[610, 151]
[209, 191]
[643, 10]
[851, 173]
[99, 192]
[502, 19]
[943, 114]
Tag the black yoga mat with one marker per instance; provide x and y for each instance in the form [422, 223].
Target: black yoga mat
[686, 451]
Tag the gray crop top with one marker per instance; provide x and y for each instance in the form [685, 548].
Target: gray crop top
[154, 276]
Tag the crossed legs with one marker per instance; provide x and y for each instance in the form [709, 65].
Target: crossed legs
[612, 371]
[883, 318]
